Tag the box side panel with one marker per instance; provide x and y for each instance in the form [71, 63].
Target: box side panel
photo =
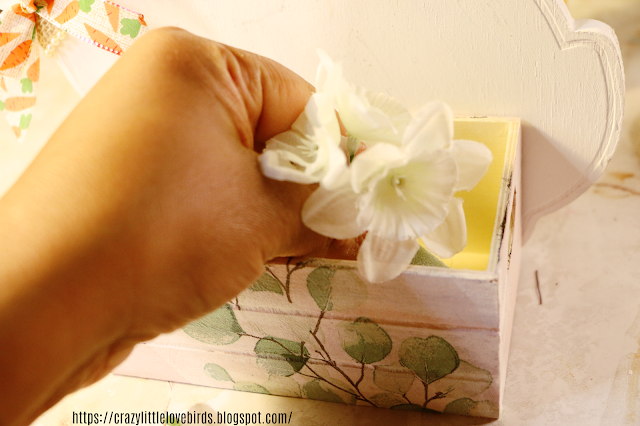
[483, 205]
[457, 369]
[422, 296]
[332, 339]
[509, 265]
[431, 335]
[425, 327]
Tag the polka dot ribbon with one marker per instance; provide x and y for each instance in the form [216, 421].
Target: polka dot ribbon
[99, 22]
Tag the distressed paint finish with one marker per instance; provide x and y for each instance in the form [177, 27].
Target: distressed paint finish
[518, 58]
[431, 339]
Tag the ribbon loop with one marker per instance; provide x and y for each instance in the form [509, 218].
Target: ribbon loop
[28, 6]
[99, 22]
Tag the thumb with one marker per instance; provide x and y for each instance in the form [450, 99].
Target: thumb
[273, 97]
[263, 98]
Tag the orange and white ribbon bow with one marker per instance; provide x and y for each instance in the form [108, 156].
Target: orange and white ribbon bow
[100, 22]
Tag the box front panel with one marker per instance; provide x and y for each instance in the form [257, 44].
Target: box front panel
[430, 339]
[348, 361]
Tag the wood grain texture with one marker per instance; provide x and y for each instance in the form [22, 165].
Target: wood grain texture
[520, 58]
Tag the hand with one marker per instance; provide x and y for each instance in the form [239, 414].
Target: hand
[146, 210]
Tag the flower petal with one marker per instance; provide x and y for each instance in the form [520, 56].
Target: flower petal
[451, 236]
[368, 116]
[430, 129]
[290, 155]
[325, 65]
[310, 151]
[408, 200]
[333, 213]
[320, 113]
[329, 78]
[276, 166]
[354, 146]
[473, 160]
[399, 115]
[380, 259]
[364, 121]
[336, 165]
[372, 117]
[375, 160]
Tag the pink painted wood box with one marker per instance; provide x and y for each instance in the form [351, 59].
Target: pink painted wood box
[433, 338]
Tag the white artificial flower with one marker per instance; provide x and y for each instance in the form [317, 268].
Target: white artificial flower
[399, 193]
[368, 116]
[310, 152]
[400, 189]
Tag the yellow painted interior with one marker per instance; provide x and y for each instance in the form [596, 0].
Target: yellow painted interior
[481, 203]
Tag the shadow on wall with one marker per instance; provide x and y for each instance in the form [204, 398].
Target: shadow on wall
[538, 149]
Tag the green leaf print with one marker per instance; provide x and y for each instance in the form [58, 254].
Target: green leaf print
[315, 390]
[364, 340]
[285, 386]
[336, 289]
[25, 121]
[27, 85]
[250, 387]
[1, 106]
[130, 27]
[85, 5]
[387, 400]
[460, 406]
[431, 358]
[424, 258]
[218, 328]
[281, 357]
[466, 381]
[217, 372]
[336, 385]
[319, 286]
[348, 291]
[396, 379]
[266, 283]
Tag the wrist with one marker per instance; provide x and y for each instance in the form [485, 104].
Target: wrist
[56, 313]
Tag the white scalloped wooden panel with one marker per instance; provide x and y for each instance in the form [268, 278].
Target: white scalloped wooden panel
[521, 58]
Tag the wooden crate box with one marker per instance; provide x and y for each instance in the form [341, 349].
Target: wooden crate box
[431, 339]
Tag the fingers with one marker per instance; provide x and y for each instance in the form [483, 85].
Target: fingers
[273, 94]
[260, 98]
[263, 97]
[274, 97]
[285, 95]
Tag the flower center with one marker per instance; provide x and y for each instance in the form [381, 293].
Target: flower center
[398, 183]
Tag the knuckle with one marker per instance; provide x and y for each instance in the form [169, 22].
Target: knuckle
[174, 51]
